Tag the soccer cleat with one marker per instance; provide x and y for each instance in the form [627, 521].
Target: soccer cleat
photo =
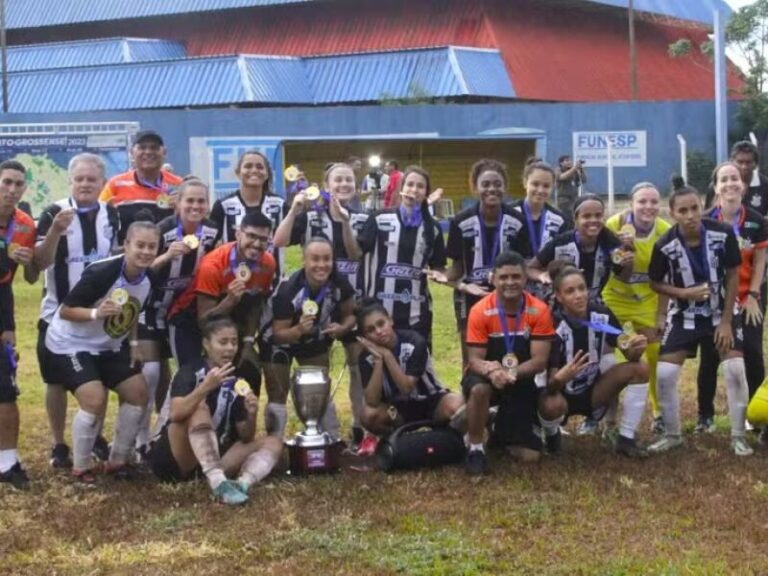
[587, 428]
[60, 456]
[16, 477]
[741, 447]
[628, 447]
[657, 426]
[477, 463]
[101, 448]
[667, 443]
[554, 443]
[368, 446]
[705, 425]
[228, 493]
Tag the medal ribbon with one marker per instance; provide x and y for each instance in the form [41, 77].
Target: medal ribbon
[717, 213]
[87, 209]
[156, 185]
[123, 281]
[509, 338]
[414, 219]
[233, 261]
[11, 353]
[9, 230]
[323, 206]
[536, 242]
[700, 260]
[489, 257]
[597, 326]
[320, 296]
[180, 230]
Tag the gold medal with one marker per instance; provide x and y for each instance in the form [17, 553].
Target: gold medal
[617, 255]
[163, 201]
[12, 247]
[312, 193]
[119, 296]
[291, 173]
[510, 362]
[242, 387]
[628, 231]
[191, 241]
[310, 308]
[243, 272]
[623, 340]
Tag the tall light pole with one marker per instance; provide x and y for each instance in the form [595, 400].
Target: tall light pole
[4, 56]
[721, 95]
[632, 51]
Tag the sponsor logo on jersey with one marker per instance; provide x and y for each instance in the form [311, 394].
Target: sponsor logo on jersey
[347, 266]
[232, 210]
[404, 297]
[479, 275]
[402, 271]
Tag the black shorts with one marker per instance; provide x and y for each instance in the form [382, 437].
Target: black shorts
[278, 354]
[677, 338]
[163, 463]
[109, 368]
[581, 404]
[415, 410]
[518, 411]
[152, 328]
[43, 355]
[9, 390]
[462, 304]
[186, 339]
[251, 373]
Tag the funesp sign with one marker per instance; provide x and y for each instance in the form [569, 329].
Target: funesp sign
[628, 148]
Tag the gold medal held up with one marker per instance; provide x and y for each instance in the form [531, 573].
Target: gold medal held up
[191, 241]
[243, 272]
[291, 173]
[163, 201]
[628, 231]
[312, 193]
[310, 308]
[617, 255]
[510, 362]
[119, 296]
[625, 338]
[242, 387]
[12, 247]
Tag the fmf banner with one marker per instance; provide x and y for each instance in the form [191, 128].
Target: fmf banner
[214, 160]
[46, 158]
[628, 148]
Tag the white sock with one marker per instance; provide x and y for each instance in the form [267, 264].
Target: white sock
[127, 425]
[666, 381]
[633, 406]
[737, 392]
[356, 398]
[551, 427]
[257, 467]
[479, 447]
[85, 428]
[330, 421]
[151, 372]
[202, 440]
[275, 419]
[7, 459]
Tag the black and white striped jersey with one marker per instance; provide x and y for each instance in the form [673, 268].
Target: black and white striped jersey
[91, 237]
[533, 237]
[674, 262]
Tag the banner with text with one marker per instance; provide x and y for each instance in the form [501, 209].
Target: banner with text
[628, 148]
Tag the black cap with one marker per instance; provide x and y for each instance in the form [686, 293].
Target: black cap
[148, 135]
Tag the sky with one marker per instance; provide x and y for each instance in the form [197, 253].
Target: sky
[736, 4]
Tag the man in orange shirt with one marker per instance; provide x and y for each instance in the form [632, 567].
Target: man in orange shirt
[146, 186]
[234, 280]
[509, 335]
[17, 243]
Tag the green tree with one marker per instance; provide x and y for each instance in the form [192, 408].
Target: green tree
[747, 35]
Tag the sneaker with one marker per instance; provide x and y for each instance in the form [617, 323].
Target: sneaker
[368, 446]
[705, 425]
[668, 442]
[228, 493]
[554, 443]
[610, 437]
[86, 477]
[60, 456]
[101, 448]
[657, 426]
[748, 426]
[587, 428]
[16, 477]
[477, 463]
[741, 447]
[628, 447]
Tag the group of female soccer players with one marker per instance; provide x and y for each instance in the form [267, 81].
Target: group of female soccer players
[555, 319]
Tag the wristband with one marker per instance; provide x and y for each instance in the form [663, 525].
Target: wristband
[94, 313]
[249, 339]
[133, 343]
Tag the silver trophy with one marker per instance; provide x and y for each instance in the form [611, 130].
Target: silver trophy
[313, 450]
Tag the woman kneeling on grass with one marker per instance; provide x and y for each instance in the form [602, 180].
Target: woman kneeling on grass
[584, 377]
[212, 423]
[397, 374]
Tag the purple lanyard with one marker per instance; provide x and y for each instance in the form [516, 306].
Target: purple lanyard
[9, 230]
[323, 207]
[11, 354]
[320, 296]
[157, 185]
[123, 281]
[488, 258]
[233, 262]
[180, 230]
[699, 262]
[86, 210]
[717, 214]
[536, 241]
[509, 339]
[415, 218]
[596, 326]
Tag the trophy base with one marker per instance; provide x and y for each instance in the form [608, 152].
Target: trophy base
[306, 460]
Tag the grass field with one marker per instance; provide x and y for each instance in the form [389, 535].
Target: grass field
[698, 511]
